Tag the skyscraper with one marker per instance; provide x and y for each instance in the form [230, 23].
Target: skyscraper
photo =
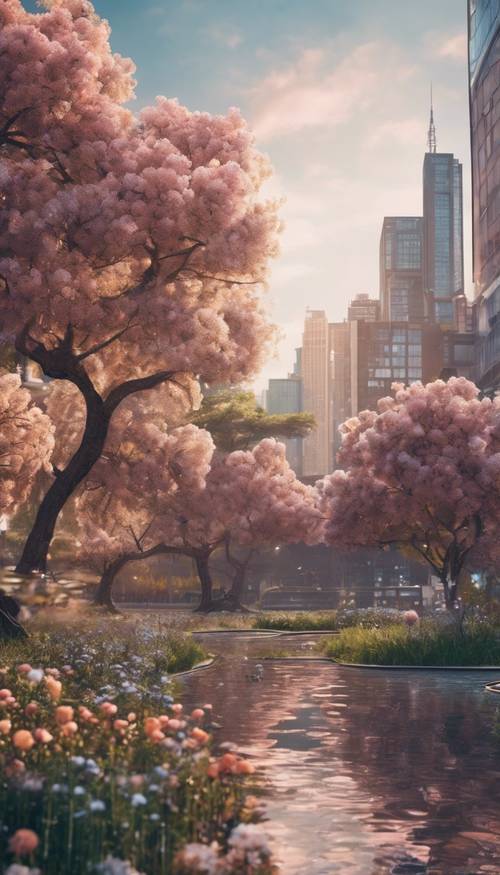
[401, 257]
[315, 364]
[340, 374]
[285, 396]
[443, 264]
[484, 90]
[364, 307]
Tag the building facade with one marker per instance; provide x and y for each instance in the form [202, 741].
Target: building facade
[340, 376]
[443, 264]
[364, 307]
[316, 383]
[387, 352]
[285, 396]
[401, 261]
[484, 93]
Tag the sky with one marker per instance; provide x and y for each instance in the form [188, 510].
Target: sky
[337, 92]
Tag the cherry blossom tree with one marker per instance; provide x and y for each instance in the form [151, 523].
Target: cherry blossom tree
[263, 504]
[26, 443]
[423, 472]
[133, 249]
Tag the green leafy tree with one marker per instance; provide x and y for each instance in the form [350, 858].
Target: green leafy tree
[237, 422]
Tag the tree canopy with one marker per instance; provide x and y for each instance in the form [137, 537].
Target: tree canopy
[237, 422]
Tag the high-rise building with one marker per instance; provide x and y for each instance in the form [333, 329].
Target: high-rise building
[443, 264]
[315, 365]
[387, 352]
[285, 396]
[364, 307]
[484, 91]
[401, 262]
[340, 374]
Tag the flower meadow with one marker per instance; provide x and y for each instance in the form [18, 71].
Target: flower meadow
[102, 771]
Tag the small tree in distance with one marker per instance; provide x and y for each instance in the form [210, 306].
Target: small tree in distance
[236, 422]
[422, 473]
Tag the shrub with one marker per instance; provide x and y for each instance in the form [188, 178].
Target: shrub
[307, 621]
[477, 645]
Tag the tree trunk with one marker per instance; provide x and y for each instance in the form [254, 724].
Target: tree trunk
[34, 556]
[63, 363]
[103, 595]
[206, 601]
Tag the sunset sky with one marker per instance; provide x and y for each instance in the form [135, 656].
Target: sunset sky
[337, 92]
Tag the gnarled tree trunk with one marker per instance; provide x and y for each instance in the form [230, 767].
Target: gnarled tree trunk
[64, 363]
[103, 594]
[206, 604]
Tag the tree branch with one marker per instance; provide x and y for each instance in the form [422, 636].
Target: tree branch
[117, 395]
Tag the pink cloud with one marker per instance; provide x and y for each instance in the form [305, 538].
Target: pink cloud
[454, 47]
[307, 93]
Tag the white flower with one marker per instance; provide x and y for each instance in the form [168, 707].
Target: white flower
[78, 761]
[18, 869]
[114, 866]
[199, 858]
[97, 805]
[79, 791]
[35, 675]
[138, 799]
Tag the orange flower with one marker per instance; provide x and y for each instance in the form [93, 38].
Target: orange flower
[164, 720]
[109, 709]
[5, 727]
[42, 735]
[177, 708]
[197, 714]
[213, 770]
[54, 688]
[24, 841]
[156, 735]
[69, 728]
[151, 724]
[64, 713]
[227, 762]
[23, 739]
[243, 767]
[200, 735]
[120, 724]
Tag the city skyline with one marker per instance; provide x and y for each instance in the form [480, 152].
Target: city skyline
[338, 96]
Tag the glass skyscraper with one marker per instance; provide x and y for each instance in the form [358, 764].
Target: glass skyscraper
[401, 255]
[443, 234]
[484, 83]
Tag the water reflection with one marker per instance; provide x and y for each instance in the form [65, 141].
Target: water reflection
[365, 773]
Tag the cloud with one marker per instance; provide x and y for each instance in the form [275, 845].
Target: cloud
[403, 132]
[229, 38]
[454, 47]
[309, 93]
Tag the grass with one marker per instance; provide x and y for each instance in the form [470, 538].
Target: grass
[306, 621]
[478, 645]
[99, 761]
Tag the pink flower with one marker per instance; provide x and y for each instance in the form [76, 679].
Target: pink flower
[109, 709]
[64, 713]
[411, 618]
[24, 841]
[5, 727]
[43, 735]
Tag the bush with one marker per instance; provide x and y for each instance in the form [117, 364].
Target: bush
[477, 645]
[101, 771]
[368, 618]
[307, 621]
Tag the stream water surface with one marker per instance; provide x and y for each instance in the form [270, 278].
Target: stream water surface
[364, 772]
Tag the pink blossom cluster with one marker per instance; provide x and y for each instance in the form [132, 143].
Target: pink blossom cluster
[26, 443]
[422, 470]
[152, 226]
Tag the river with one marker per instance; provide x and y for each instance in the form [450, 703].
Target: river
[363, 772]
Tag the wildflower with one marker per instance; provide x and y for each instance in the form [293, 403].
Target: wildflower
[109, 709]
[120, 724]
[23, 739]
[24, 668]
[177, 708]
[70, 728]
[411, 618]
[137, 780]
[198, 858]
[31, 708]
[24, 841]
[114, 866]
[97, 805]
[42, 735]
[197, 714]
[243, 767]
[5, 727]
[18, 869]
[5, 694]
[35, 675]
[15, 767]
[138, 799]
[92, 768]
[54, 687]
[79, 791]
[77, 761]
[64, 714]
[199, 735]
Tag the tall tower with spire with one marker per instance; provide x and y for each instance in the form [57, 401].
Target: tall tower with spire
[431, 134]
[443, 230]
